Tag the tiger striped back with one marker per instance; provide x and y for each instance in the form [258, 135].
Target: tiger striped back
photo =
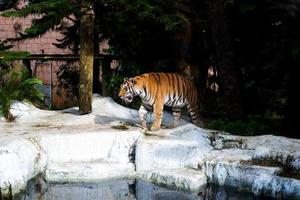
[159, 89]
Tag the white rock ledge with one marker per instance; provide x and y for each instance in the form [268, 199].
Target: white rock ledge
[182, 179]
[67, 147]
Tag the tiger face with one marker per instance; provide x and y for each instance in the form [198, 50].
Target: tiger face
[126, 92]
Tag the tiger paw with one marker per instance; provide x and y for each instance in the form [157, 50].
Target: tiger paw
[154, 128]
[144, 130]
[172, 125]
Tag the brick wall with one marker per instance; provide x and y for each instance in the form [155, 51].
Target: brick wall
[9, 28]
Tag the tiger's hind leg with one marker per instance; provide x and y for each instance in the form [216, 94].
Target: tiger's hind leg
[176, 114]
[158, 112]
[194, 112]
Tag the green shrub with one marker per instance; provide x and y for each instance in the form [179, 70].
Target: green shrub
[249, 127]
[16, 85]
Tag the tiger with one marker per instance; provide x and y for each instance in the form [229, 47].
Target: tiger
[157, 89]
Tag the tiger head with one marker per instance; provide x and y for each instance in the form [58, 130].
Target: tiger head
[127, 91]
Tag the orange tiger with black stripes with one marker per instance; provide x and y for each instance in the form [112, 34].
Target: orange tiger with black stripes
[159, 89]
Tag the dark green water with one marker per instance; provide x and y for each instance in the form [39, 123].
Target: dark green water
[125, 189]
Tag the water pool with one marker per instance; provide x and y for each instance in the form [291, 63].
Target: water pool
[125, 189]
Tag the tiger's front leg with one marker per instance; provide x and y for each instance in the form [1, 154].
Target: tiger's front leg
[158, 112]
[142, 114]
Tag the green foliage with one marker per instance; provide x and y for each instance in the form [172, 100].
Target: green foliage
[16, 85]
[3, 64]
[250, 127]
[143, 31]
[266, 41]
[134, 28]
[173, 22]
[7, 56]
[114, 83]
[51, 14]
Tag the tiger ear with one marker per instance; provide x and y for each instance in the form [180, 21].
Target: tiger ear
[132, 81]
[125, 79]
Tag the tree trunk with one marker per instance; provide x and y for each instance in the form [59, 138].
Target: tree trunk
[86, 57]
[229, 101]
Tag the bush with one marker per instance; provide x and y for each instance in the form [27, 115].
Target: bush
[249, 127]
[16, 85]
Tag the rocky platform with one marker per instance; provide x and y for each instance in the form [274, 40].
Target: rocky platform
[66, 147]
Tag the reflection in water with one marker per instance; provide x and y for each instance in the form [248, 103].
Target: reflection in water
[124, 189]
